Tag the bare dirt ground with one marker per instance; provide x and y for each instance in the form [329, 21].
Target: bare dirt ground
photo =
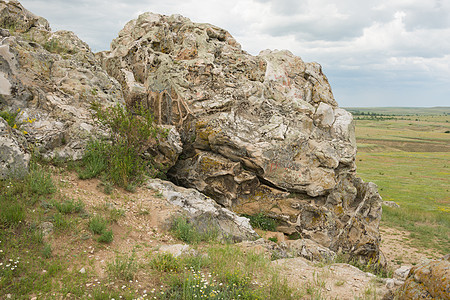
[140, 227]
[395, 247]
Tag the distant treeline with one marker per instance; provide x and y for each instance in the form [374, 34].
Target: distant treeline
[399, 111]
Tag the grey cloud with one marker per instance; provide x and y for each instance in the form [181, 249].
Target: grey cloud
[334, 33]
[433, 18]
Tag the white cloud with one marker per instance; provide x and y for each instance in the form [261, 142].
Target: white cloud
[391, 42]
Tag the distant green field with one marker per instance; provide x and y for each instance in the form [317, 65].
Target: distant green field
[402, 111]
[409, 159]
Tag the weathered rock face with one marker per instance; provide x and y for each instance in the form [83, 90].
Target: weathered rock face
[204, 212]
[52, 77]
[429, 280]
[260, 133]
[13, 157]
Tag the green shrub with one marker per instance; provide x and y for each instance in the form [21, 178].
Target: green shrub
[132, 132]
[106, 237]
[188, 232]
[262, 221]
[40, 182]
[97, 225]
[94, 161]
[69, 206]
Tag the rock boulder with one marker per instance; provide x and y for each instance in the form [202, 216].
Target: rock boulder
[52, 77]
[14, 158]
[204, 212]
[260, 133]
[428, 280]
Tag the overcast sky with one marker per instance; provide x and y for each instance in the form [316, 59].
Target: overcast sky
[374, 52]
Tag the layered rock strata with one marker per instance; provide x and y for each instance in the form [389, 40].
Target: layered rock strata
[260, 133]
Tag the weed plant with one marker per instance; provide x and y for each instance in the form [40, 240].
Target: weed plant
[262, 221]
[69, 206]
[224, 273]
[132, 132]
[106, 237]
[97, 225]
[123, 267]
[165, 262]
[185, 230]
[39, 181]
[10, 118]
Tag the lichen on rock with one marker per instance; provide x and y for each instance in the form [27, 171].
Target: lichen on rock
[260, 133]
[52, 77]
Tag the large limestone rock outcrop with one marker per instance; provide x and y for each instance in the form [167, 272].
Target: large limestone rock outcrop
[260, 133]
[52, 77]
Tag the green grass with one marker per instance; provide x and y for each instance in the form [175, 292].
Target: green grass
[224, 273]
[408, 158]
[106, 236]
[94, 161]
[262, 221]
[39, 181]
[123, 267]
[191, 233]
[69, 206]
[97, 224]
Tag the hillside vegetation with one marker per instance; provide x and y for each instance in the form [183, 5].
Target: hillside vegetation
[408, 157]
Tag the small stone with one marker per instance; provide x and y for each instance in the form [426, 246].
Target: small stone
[391, 204]
[402, 272]
[390, 283]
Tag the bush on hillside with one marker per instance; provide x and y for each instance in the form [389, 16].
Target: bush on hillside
[132, 132]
